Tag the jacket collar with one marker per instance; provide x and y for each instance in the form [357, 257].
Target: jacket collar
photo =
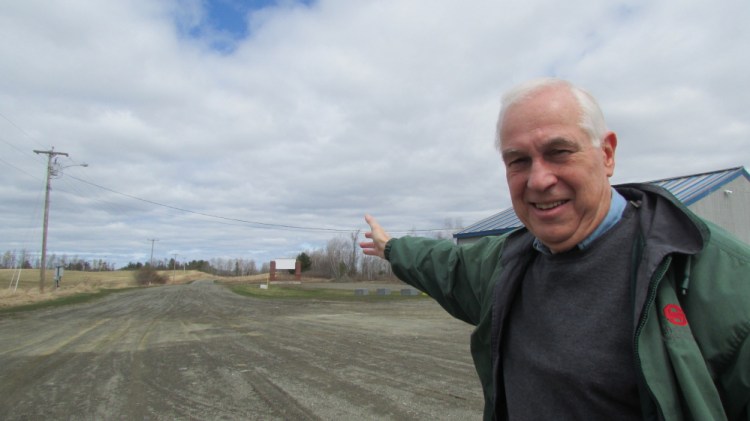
[667, 225]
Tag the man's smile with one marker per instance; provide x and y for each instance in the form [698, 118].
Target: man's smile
[548, 205]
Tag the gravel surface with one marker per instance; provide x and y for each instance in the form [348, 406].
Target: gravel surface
[200, 352]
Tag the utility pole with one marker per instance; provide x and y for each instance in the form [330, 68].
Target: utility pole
[174, 268]
[42, 271]
[151, 261]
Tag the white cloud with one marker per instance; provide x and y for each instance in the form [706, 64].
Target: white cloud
[335, 109]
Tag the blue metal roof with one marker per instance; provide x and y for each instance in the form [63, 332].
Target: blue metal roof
[688, 189]
[692, 188]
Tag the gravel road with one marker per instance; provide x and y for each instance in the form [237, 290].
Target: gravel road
[200, 352]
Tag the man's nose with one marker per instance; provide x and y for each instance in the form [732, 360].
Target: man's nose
[541, 176]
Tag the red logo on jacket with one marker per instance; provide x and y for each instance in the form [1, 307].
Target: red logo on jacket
[675, 315]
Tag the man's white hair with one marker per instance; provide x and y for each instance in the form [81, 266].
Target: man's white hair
[592, 118]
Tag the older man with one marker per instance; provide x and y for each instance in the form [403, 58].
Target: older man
[614, 303]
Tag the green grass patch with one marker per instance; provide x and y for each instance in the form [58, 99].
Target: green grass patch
[295, 292]
[62, 301]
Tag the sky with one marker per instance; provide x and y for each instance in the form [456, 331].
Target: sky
[262, 129]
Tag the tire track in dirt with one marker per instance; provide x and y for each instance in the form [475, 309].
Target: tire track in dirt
[201, 352]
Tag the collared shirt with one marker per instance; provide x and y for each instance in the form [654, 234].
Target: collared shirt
[616, 208]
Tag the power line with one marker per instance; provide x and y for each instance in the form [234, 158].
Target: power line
[14, 125]
[18, 128]
[13, 146]
[244, 221]
[19, 169]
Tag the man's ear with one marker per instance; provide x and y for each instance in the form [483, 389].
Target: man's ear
[609, 144]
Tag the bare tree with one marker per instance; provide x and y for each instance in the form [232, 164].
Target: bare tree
[354, 254]
[450, 226]
[249, 267]
[9, 259]
[373, 268]
[319, 264]
[338, 255]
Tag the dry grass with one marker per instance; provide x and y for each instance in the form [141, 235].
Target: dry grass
[73, 282]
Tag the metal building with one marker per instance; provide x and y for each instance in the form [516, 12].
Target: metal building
[722, 197]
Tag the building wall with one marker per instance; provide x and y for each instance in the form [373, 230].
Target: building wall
[729, 211]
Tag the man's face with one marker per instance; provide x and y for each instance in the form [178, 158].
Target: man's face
[559, 181]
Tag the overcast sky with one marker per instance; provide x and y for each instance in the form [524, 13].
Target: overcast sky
[261, 129]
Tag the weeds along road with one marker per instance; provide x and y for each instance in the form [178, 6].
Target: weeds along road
[199, 351]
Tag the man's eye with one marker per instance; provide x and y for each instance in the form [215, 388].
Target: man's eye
[559, 152]
[518, 162]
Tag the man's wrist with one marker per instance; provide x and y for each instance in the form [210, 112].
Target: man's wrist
[387, 249]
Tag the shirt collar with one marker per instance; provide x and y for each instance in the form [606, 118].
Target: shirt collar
[616, 208]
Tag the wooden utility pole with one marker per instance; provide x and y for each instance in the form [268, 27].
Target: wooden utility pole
[43, 269]
[151, 261]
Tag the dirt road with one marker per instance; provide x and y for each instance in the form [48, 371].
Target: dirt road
[200, 352]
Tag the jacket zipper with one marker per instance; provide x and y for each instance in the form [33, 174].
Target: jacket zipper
[658, 275]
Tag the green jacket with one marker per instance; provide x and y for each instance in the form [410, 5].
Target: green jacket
[691, 312]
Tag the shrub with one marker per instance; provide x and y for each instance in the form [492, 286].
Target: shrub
[148, 275]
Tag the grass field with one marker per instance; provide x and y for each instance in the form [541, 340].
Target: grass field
[73, 283]
[113, 279]
[79, 286]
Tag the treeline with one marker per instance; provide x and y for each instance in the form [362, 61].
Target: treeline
[340, 259]
[216, 266]
[12, 259]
